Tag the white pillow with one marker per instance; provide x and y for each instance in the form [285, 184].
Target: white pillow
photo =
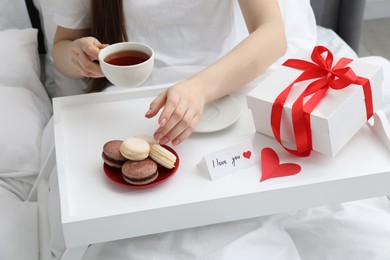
[300, 26]
[332, 41]
[25, 107]
[19, 63]
[13, 14]
[23, 119]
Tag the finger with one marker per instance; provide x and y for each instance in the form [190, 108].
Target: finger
[156, 104]
[173, 111]
[78, 67]
[170, 117]
[166, 125]
[83, 72]
[187, 132]
[174, 114]
[92, 50]
[179, 124]
[89, 67]
[102, 46]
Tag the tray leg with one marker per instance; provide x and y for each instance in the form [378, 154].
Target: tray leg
[74, 253]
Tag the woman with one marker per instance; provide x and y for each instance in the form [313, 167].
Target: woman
[181, 33]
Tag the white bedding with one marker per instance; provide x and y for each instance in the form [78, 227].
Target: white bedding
[23, 121]
[354, 230]
[334, 43]
[25, 109]
[18, 227]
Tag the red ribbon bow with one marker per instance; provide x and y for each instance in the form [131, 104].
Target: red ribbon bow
[338, 77]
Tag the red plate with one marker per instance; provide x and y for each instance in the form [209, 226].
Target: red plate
[115, 174]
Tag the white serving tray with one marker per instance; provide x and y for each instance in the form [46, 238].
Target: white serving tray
[94, 209]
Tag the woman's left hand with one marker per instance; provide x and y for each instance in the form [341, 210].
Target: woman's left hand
[182, 105]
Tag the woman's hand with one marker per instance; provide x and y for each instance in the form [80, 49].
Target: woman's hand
[84, 54]
[183, 107]
[75, 53]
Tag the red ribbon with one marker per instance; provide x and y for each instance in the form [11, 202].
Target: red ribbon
[326, 77]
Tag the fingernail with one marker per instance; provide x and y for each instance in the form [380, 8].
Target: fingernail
[163, 122]
[158, 137]
[148, 112]
[164, 140]
[176, 142]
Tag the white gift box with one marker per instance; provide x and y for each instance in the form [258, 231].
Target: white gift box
[336, 118]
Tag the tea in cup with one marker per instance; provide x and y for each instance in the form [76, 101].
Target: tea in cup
[127, 64]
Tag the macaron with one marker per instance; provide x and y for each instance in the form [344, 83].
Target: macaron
[162, 156]
[140, 172]
[111, 154]
[135, 149]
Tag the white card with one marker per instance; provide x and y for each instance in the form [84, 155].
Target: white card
[230, 159]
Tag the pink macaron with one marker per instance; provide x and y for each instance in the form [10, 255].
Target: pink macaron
[140, 172]
[111, 154]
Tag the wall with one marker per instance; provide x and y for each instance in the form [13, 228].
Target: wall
[377, 9]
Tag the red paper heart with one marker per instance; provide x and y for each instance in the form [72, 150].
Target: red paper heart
[271, 168]
[247, 154]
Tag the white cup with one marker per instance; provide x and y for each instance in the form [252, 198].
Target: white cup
[129, 71]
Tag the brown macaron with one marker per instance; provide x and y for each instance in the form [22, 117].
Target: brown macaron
[111, 154]
[140, 172]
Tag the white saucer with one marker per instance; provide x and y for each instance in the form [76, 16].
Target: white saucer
[219, 115]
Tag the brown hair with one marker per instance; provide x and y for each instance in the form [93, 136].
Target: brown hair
[108, 26]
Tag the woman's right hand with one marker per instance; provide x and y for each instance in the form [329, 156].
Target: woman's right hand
[84, 56]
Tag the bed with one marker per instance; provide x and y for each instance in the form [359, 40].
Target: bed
[28, 190]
